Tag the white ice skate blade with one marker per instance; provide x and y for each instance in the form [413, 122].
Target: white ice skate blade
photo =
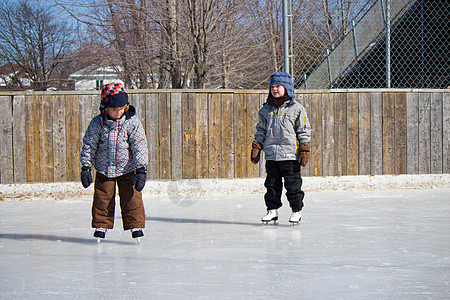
[294, 223]
[138, 240]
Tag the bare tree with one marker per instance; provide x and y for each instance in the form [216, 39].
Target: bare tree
[168, 43]
[33, 40]
[209, 43]
[268, 15]
[239, 49]
[173, 58]
[173, 42]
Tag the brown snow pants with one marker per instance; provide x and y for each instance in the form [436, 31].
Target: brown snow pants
[131, 205]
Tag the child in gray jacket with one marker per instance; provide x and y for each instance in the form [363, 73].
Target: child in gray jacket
[283, 133]
[115, 144]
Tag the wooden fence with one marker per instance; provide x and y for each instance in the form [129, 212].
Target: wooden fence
[207, 133]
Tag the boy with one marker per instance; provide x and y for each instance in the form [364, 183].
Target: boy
[116, 146]
[283, 132]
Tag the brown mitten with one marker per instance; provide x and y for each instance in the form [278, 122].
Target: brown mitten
[303, 155]
[256, 152]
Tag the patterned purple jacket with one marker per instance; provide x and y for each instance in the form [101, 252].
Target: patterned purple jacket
[115, 148]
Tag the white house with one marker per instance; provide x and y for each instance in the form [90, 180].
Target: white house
[92, 77]
[10, 74]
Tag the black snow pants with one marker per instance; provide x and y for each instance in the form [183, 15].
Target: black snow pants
[290, 171]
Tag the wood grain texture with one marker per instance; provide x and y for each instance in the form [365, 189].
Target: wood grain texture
[165, 155]
[364, 133]
[19, 139]
[376, 134]
[189, 106]
[340, 133]
[412, 133]
[352, 134]
[446, 133]
[400, 126]
[424, 133]
[6, 141]
[388, 132]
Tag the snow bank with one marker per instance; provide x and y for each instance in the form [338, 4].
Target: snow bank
[172, 188]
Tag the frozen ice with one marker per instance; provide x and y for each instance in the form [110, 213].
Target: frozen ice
[352, 243]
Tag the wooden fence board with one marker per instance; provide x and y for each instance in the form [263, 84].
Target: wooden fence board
[252, 109]
[227, 155]
[88, 108]
[446, 133]
[19, 139]
[376, 134]
[176, 136]
[85, 114]
[165, 169]
[340, 135]
[151, 131]
[304, 99]
[139, 103]
[400, 134]
[352, 134]
[6, 141]
[28, 135]
[46, 149]
[388, 132]
[424, 133]
[317, 142]
[240, 135]
[189, 105]
[412, 133]
[364, 133]
[33, 117]
[59, 139]
[436, 133]
[73, 134]
[215, 135]
[329, 156]
[202, 135]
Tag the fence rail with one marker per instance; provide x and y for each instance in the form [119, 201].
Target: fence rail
[208, 133]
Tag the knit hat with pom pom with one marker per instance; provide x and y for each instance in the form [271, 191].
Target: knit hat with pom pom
[113, 95]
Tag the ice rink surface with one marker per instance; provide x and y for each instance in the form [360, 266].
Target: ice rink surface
[351, 244]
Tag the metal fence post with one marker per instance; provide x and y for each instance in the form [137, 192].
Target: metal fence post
[388, 43]
[285, 38]
[355, 49]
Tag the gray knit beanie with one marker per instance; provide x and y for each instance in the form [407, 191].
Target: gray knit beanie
[285, 80]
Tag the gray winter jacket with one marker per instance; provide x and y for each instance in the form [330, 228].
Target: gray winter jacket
[282, 129]
[115, 148]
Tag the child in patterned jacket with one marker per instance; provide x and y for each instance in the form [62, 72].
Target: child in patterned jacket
[116, 146]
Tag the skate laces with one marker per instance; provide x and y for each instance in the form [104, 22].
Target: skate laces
[271, 212]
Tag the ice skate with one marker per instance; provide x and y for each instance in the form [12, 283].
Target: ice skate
[100, 234]
[137, 233]
[272, 215]
[295, 218]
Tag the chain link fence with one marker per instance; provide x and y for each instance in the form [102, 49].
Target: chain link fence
[365, 51]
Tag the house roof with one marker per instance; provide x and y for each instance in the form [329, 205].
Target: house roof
[95, 72]
[11, 70]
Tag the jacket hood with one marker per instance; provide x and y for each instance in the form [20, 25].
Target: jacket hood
[131, 112]
[284, 79]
